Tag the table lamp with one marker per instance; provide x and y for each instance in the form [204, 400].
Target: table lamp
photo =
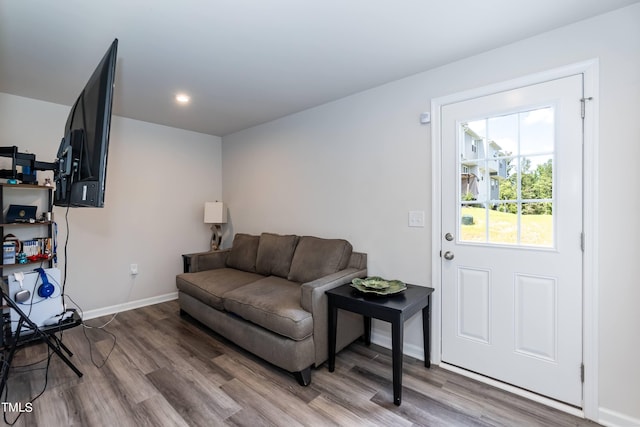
[215, 213]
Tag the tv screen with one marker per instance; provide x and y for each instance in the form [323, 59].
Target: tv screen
[82, 155]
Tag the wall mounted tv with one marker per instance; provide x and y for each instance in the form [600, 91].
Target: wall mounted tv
[81, 171]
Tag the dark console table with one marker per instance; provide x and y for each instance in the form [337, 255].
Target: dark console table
[394, 309]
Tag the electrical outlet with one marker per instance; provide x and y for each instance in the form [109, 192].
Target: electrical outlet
[133, 269]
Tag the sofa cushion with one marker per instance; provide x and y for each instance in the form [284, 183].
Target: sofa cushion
[274, 304]
[315, 257]
[209, 286]
[244, 252]
[275, 253]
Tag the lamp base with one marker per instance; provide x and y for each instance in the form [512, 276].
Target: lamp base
[216, 237]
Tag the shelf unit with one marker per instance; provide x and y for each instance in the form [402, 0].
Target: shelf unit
[41, 194]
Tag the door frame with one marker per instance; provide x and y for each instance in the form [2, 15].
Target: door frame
[590, 340]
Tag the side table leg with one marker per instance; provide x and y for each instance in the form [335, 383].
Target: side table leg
[333, 325]
[367, 330]
[426, 333]
[397, 339]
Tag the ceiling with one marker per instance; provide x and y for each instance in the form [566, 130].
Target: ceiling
[246, 62]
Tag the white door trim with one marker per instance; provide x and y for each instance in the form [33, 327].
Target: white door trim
[590, 212]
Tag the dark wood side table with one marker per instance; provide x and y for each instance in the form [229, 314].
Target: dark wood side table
[186, 263]
[394, 309]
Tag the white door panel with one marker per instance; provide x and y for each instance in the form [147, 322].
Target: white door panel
[512, 201]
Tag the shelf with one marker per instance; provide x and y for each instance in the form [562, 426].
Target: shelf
[27, 186]
[27, 224]
[17, 264]
[28, 335]
[45, 197]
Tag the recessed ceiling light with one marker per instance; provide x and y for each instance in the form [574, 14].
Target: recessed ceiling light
[182, 98]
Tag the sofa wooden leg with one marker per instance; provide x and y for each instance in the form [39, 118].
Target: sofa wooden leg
[303, 377]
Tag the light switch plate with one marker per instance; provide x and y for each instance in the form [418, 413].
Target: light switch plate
[416, 218]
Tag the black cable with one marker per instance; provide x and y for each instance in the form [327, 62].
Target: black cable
[44, 388]
[66, 243]
[84, 325]
[113, 346]
[101, 327]
[16, 368]
[49, 351]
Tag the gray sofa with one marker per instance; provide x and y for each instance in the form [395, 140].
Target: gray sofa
[267, 295]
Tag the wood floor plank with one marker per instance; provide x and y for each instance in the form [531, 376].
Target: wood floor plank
[170, 370]
[191, 396]
[271, 391]
[256, 408]
[129, 381]
[92, 402]
[424, 410]
[157, 412]
[351, 393]
[338, 415]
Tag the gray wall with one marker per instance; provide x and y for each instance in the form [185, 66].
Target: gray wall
[353, 168]
[158, 179]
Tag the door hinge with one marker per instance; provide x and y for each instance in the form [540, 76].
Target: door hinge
[582, 372]
[582, 242]
[582, 105]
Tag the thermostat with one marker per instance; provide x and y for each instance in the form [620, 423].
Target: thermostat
[425, 117]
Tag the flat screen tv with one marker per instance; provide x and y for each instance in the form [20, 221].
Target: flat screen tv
[81, 171]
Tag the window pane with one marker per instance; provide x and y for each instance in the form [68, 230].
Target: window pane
[478, 128]
[537, 224]
[472, 224]
[471, 142]
[503, 224]
[536, 177]
[508, 185]
[503, 132]
[536, 131]
[470, 185]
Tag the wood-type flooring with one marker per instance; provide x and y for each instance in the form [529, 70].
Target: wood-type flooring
[168, 370]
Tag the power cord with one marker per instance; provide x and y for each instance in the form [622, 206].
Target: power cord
[101, 327]
[49, 351]
[33, 399]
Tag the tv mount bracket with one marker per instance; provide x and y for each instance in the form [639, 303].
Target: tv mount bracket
[29, 165]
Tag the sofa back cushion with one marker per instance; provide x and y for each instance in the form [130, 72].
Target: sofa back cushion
[275, 253]
[244, 252]
[315, 257]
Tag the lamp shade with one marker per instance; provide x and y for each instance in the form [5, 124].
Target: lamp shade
[215, 213]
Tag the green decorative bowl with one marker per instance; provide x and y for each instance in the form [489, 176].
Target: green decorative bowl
[378, 286]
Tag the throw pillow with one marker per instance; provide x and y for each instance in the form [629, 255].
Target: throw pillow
[243, 252]
[315, 257]
[275, 253]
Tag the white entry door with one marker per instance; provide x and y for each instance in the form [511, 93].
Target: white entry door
[511, 237]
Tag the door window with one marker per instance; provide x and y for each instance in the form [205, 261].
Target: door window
[506, 171]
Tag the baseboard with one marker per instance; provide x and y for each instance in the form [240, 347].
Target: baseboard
[130, 305]
[607, 417]
[411, 350]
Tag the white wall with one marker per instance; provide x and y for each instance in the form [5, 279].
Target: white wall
[158, 179]
[355, 167]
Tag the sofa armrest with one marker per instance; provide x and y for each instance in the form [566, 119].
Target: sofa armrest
[311, 291]
[314, 300]
[209, 260]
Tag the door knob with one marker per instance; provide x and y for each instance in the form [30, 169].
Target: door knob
[448, 255]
